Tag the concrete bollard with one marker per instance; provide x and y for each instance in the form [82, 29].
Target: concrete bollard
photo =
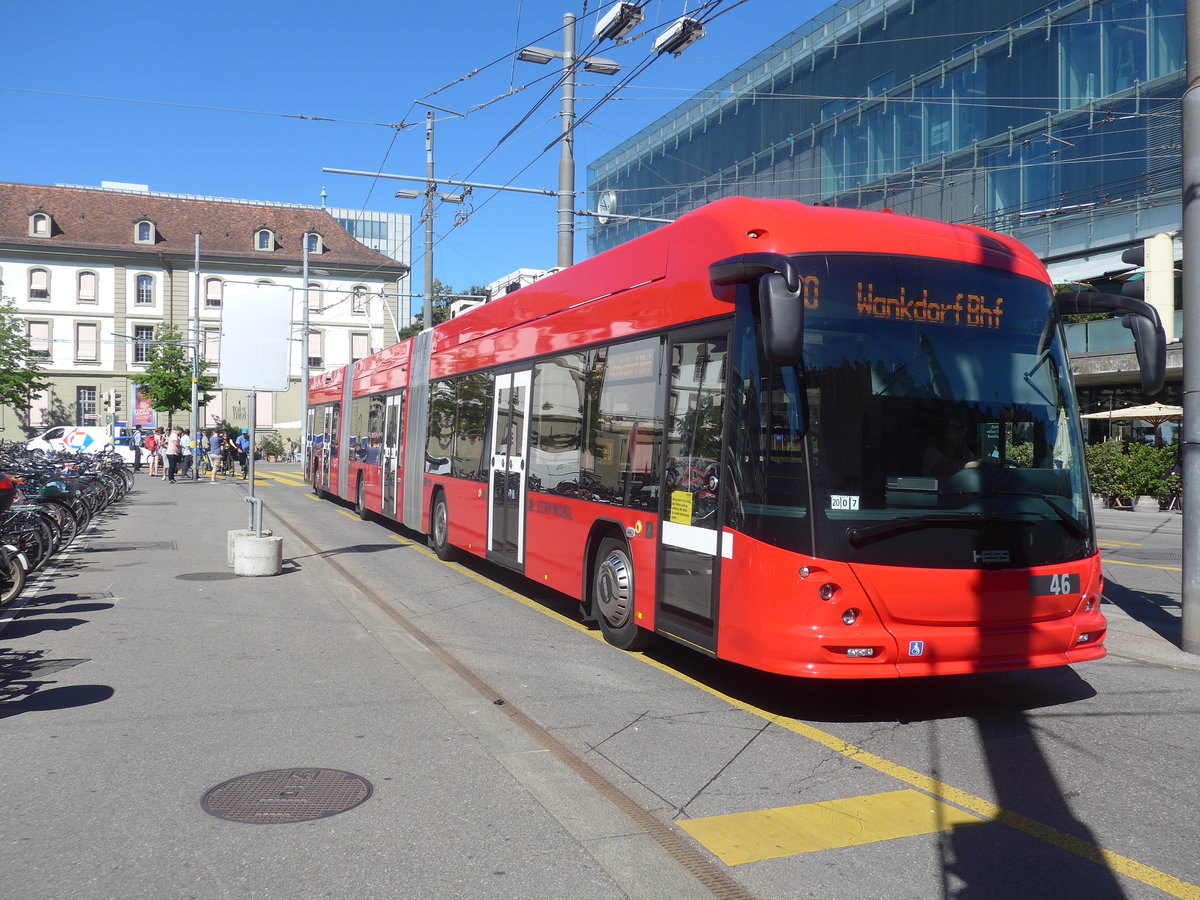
[257, 555]
[232, 536]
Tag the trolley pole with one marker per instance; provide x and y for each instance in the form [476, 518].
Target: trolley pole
[1190, 636]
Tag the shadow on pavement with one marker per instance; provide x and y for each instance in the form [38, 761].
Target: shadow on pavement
[57, 698]
[1152, 610]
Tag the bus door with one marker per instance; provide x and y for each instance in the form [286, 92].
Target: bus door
[327, 443]
[393, 415]
[508, 469]
[691, 543]
[307, 438]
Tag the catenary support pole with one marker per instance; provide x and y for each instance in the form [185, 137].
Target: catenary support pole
[305, 434]
[566, 156]
[1191, 323]
[430, 184]
[196, 345]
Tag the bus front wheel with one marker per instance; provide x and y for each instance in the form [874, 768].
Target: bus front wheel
[439, 530]
[360, 499]
[613, 596]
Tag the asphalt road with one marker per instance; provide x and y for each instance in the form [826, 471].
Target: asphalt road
[514, 754]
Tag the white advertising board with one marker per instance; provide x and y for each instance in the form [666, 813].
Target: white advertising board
[256, 330]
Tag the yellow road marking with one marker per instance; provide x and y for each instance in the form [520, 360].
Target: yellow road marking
[313, 497]
[1117, 562]
[790, 830]
[400, 540]
[982, 808]
[284, 476]
[348, 515]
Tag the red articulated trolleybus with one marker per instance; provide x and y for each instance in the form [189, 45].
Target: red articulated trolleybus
[814, 441]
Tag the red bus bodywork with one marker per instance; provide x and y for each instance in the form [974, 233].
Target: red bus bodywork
[773, 609]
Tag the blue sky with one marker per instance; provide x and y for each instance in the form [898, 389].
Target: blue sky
[206, 98]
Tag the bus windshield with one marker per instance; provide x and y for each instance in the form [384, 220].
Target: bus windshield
[931, 424]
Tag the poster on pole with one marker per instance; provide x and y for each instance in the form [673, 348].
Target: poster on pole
[256, 326]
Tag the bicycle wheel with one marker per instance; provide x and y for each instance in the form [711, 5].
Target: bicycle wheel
[67, 520]
[12, 576]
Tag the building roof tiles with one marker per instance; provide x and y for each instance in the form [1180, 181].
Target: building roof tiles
[95, 218]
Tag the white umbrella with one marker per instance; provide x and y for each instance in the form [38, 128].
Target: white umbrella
[1155, 413]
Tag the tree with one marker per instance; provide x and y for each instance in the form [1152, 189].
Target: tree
[21, 372]
[167, 381]
[443, 296]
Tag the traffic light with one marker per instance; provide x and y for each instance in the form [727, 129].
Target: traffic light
[1156, 256]
[116, 400]
[108, 401]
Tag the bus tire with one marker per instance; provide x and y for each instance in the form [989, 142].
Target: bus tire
[613, 596]
[360, 500]
[439, 529]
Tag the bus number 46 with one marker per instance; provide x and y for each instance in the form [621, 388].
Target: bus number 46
[1053, 585]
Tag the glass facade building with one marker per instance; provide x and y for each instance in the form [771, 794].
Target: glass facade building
[1057, 123]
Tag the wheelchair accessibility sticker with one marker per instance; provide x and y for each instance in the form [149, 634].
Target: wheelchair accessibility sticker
[916, 648]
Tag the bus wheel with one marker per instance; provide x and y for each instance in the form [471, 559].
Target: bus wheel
[612, 597]
[360, 500]
[439, 529]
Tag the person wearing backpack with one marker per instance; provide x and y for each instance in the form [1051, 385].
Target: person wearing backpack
[151, 444]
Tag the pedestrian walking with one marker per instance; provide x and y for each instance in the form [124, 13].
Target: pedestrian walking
[187, 451]
[215, 457]
[163, 438]
[174, 451]
[151, 443]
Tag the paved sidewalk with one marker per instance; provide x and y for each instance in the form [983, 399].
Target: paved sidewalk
[1144, 588]
[144, 673]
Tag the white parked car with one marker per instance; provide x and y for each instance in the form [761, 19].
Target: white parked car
[72, 439]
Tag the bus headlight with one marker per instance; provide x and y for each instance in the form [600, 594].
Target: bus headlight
[850, 616]
[827, 591]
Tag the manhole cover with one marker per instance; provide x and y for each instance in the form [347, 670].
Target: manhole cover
[286, 795]
[206, 576]
[1149, 555]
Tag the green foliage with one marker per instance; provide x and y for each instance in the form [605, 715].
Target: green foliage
[1021, 454]
[167, 381]
[272, 445]
[22, 370]
[1122, 472]
[440, 310]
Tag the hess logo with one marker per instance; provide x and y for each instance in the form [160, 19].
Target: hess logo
[990, 556]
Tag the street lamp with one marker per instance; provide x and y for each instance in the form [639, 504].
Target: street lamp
[566, 160]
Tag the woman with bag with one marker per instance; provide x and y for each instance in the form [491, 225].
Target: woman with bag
[151, 444]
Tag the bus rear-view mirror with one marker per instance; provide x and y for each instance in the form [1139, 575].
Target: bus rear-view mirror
[782, 312]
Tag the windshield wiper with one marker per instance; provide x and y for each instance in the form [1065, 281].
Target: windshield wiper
[868, 534]
[1077, 528]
